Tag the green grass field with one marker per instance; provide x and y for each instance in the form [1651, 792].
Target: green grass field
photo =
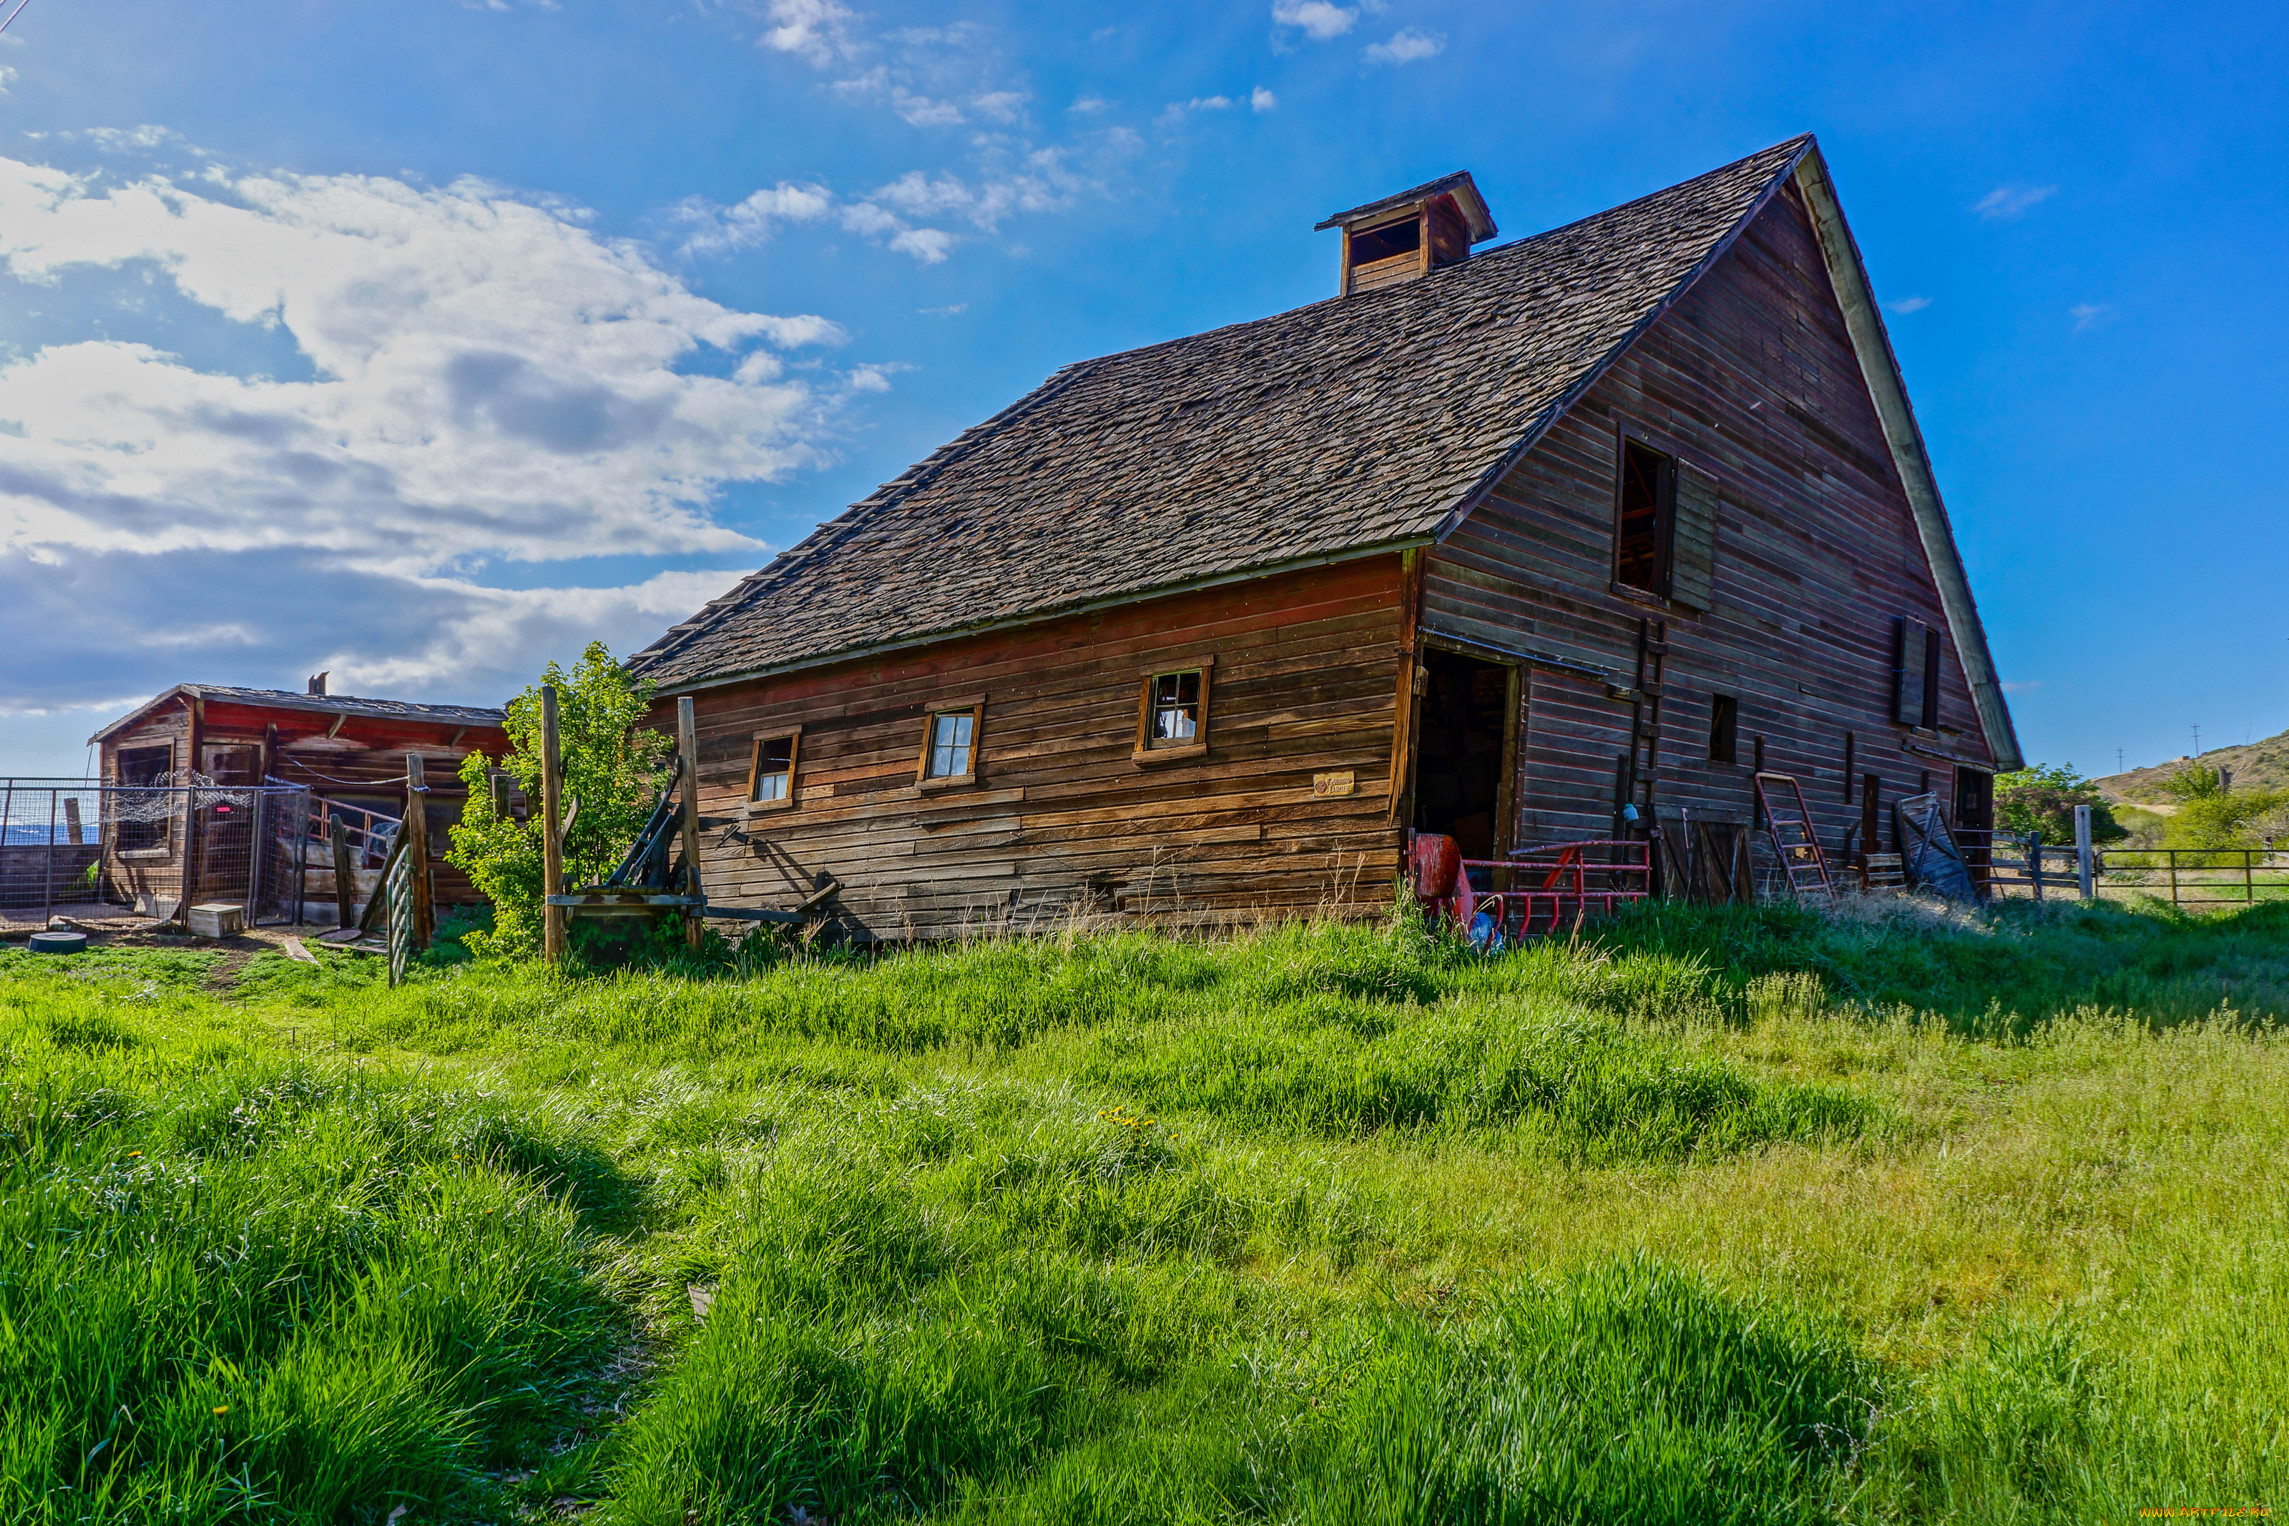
[1717, 1216]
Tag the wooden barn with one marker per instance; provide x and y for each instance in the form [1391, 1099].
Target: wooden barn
[349, 752]
[1555, 540]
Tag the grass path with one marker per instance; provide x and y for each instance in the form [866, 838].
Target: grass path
[1728, 1216]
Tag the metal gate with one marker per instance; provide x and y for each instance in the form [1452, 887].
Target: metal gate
[71, 845]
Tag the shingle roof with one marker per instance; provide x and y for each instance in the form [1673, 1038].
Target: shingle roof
[322, 704]
[1353, 423]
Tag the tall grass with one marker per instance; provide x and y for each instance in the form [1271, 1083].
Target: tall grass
[1718, 1216]
[251, 1291]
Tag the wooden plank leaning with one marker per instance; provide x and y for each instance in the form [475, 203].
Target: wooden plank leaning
[345, 873]
[551, 830]
[416, 831]
[687, 754]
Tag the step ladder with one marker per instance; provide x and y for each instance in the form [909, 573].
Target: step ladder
[1781, 802]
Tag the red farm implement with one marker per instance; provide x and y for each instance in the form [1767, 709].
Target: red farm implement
[1533, 892]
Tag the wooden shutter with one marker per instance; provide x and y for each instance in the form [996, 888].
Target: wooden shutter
[1693, 538]
[1931, 680]
[1911, 650]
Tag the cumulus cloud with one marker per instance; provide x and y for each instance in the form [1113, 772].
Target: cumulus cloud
[816, 31]
[2009, 201]
[1316, 19]
[481, 379]
[889, 215]
[1906, 305]
[1405, 46]
[878, 84]
[743, 225]
[1261, 99]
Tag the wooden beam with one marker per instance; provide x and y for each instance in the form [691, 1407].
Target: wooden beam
[345, 873]
[551, 842]
[1404, 719]
[687, 754]
[416, 832]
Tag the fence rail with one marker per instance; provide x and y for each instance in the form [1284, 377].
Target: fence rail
[2016, 866]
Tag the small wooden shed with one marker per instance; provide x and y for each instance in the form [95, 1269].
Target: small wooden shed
[348, 751]
[1557, 540]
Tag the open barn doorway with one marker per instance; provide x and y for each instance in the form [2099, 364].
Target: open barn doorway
[1462, 749]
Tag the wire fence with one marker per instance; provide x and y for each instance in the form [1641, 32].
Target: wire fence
[2017, 866]
[154, 849]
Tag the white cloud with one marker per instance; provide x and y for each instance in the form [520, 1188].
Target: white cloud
[1317, 19]
[2090, 315]
[1906, 305]
[877, 84]
[950, 310]
[816, 31]
[1406, 46]
[2008, 201]
[1089, 105]
[482, 380]
[1001, 105]
[720, 230]
[1262, 99]
[7, 78]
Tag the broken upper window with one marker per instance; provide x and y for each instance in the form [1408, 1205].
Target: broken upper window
[143, 768]
[1644, 517]
[773, 776]
[1916, 653]
[1386, 242]
[949, 751]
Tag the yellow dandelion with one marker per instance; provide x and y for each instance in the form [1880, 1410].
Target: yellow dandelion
[222, 1409]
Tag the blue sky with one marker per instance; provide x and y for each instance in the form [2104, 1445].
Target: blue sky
[424, 341]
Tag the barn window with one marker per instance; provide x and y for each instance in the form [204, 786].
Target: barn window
[1386, 242]
[949, 745]
[143, 768]
[1724, 728]
[771, 776]
[1645, 512]
[1172, 712]
[1916, 654]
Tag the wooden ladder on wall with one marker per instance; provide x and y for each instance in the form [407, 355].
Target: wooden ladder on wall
[1793, 838]
[1642, 767]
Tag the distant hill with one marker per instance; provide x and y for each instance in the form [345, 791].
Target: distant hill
[2255, 765]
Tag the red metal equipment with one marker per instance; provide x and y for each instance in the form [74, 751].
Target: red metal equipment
[1573, 884]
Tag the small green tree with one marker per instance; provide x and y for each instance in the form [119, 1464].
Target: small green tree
[2195, 781]
[613, 766]
[2043, 800]
[2226, 818]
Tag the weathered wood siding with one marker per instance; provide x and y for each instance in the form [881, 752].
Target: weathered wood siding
[1062, 820]
[1753, 377]
[363, 762]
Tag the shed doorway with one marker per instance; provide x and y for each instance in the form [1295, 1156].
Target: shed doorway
[1463, 750]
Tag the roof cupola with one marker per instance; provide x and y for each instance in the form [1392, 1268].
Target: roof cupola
[1412, 233]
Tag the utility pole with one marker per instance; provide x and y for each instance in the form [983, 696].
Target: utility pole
[2118, 760]
[2197, 742]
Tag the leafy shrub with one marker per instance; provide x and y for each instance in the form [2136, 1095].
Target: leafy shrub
[2042, 799]
[612, 767]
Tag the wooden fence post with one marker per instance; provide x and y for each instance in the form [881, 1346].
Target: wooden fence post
[687, 752]
[2082, 866]
[48, 866]
[551, 842]
[345, 875]
[416, 831]
[2035, 861]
